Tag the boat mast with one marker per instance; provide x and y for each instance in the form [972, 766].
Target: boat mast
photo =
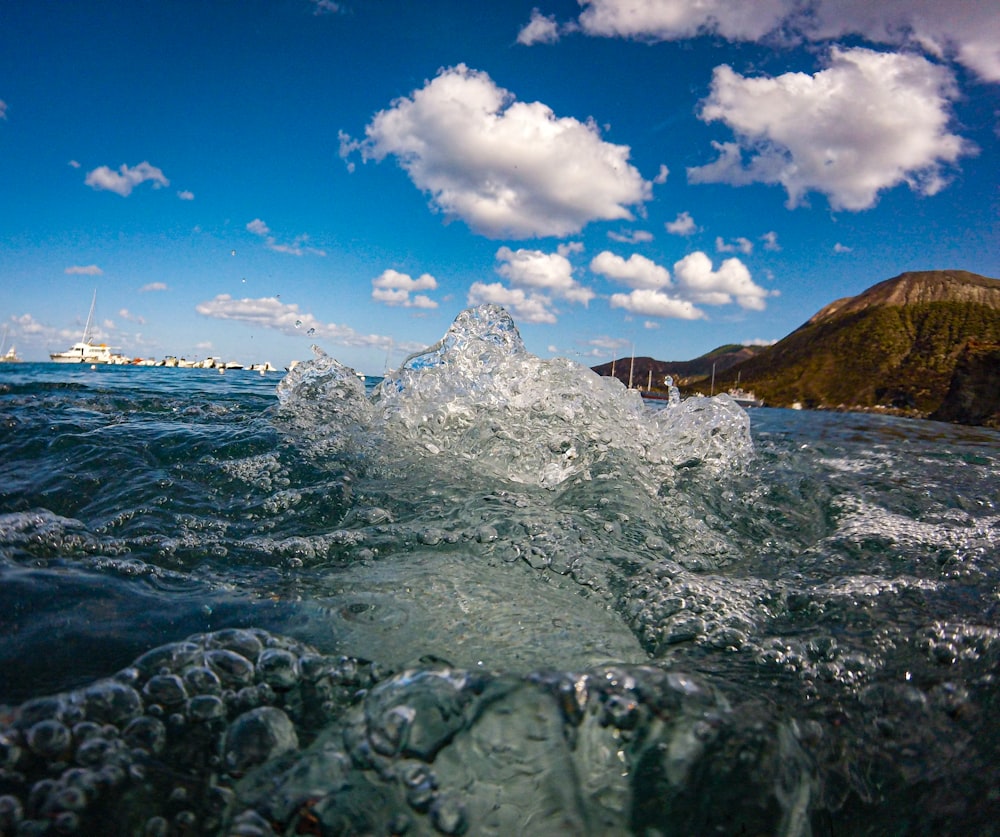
[631, 367]
[90, 318]
[713, 380]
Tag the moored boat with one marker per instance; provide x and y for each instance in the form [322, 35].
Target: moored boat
[86, 351]
[744, 397]
[11, 355]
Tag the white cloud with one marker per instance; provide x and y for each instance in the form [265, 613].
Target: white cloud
[506, 168]
[683, 224]
[186, 195]
[123, 181]
[153, 286]
[74, 164]
[3, 109]
[395, 288]
[271, 313]
[528, 307]
[296, 248]
[540, 29]
[653, 303]
[866, 123]
[697, 281]
[551, 272]
[125, 314]
[738, 245]
[631, 236]
[770, 240]
[84, 270]
[964, 30]
[668, 20]
[841, 248]
[662, 175]
[326, 7]
[636, 272]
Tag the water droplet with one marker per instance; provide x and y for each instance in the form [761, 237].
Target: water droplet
[311, 331]
[244, 281]
[232, 252]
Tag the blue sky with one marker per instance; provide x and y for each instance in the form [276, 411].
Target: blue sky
[243, 179]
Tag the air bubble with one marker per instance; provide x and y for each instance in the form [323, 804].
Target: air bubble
[232, 668]
[278, 668]
[258, 736]
[165, 689]
[205, 708]
[49, 739]
[146, 733]
[202, 681]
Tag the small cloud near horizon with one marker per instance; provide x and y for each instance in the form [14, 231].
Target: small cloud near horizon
[84, 270]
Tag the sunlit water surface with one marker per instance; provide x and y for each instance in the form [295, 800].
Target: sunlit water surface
[491, 595]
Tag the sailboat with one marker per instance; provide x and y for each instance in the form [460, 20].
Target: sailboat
[10, 356]
[85, 351]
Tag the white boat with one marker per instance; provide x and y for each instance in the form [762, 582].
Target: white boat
[745, 398]
[85, 351]
[10, 356]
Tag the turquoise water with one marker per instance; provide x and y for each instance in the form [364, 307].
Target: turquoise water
[491, 595]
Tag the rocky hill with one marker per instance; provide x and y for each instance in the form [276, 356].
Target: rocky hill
[897, 345]
[646, 369]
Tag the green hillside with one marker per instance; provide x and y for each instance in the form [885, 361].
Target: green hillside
[896, 345]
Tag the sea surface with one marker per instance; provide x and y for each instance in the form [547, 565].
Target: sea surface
[489, 594]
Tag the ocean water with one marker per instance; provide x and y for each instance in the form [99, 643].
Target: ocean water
[489, 595]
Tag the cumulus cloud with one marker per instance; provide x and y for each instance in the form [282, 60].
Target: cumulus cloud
[395, 288]
[695, 282]
[540, 29]
[186, 195]
[668, 20]
[866, 123]
[544, 272]
[960, 30]
[530, 307]
[84, 270]
[123, 181]
[272, 313]
[635, 272]
[841, 248]
[699, 282]
[653, 303]
[967, 32]
[683, 224]
[296, 248]
[770, 240]
[506, 168]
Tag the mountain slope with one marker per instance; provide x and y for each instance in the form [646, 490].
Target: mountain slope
[644, 369]
[896, 345]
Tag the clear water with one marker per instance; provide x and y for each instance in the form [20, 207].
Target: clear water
[491, 595]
